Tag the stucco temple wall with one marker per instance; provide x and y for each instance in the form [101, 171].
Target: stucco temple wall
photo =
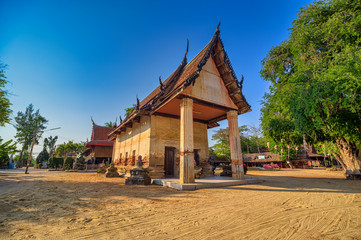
[165, 132]
[133, 139]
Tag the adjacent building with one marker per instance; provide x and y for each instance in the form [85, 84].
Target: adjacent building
[99, 148]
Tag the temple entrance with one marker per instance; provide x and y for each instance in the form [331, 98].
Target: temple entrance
[169, 162]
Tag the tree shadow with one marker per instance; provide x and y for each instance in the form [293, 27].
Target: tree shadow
[304, 184]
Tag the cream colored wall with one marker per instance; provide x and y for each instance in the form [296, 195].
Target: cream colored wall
[136, 138]
[209, 87]
[165, 132]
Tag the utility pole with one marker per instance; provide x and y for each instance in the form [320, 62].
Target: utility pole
[31, 150]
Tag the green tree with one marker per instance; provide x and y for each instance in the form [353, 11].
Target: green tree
[109, 124]
[221, 136]
[26, 128]
[256, 133]
[49, 144]
[6, 149]
[315, 80]
[129, 110]
[65, 149]
[42, 157]
[5, 110]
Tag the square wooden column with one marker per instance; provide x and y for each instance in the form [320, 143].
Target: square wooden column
[186, 174]
[235, 145]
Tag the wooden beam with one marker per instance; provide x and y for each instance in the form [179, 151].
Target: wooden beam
[217, 119]
[176, 117]
[238, 102]
[216, 53]
[229, 83]
[212, 125]
[222, 63]
[208, 104]
[238, 91]
[137, 119]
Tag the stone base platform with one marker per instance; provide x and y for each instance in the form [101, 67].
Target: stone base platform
[209, 182]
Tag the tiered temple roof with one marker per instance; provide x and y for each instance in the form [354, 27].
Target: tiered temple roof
[186, 75]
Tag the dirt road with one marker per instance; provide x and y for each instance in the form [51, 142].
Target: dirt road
[288, 204]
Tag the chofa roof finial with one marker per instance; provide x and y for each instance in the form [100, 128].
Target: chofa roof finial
[161, 84]
[138, 102]
[218, 26]
[187, 47]
[92, 120]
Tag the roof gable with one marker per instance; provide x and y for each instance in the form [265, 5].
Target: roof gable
[210, 87]
[186, 75]
[100, 133]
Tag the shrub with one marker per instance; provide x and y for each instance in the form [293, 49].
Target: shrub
[4, 160]
[68, 164]
[271, 167]
[80, 163]
[102, 168]
[55, 162]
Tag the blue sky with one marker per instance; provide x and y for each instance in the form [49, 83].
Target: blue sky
[77, 59]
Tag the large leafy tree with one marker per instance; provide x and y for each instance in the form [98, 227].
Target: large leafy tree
[63, 150]
[221, 136]
[315, 80]
[28, 124]
[5, 110]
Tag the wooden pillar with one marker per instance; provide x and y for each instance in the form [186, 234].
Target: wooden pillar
[235, 145]
[186, 174]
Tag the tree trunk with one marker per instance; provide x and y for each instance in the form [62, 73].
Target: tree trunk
[339, 159]
[19, 165]
[351, 157]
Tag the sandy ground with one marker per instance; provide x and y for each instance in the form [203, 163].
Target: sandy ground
[288, 204]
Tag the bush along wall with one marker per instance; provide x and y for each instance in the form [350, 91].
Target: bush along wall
[68, 164]
[55, 162]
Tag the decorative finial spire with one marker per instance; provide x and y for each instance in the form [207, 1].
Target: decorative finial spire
[120, 120]
[218, 26]
[92, 120]
[137, 102]
[161, 84]
[184, 61]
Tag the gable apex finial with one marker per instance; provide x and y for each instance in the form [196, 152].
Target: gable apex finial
[137, 107]
[218, 26]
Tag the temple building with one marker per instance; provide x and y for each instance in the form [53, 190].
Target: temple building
[99, 148]
[169, 127]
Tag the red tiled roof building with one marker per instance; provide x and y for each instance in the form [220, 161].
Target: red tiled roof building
[99, 148]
